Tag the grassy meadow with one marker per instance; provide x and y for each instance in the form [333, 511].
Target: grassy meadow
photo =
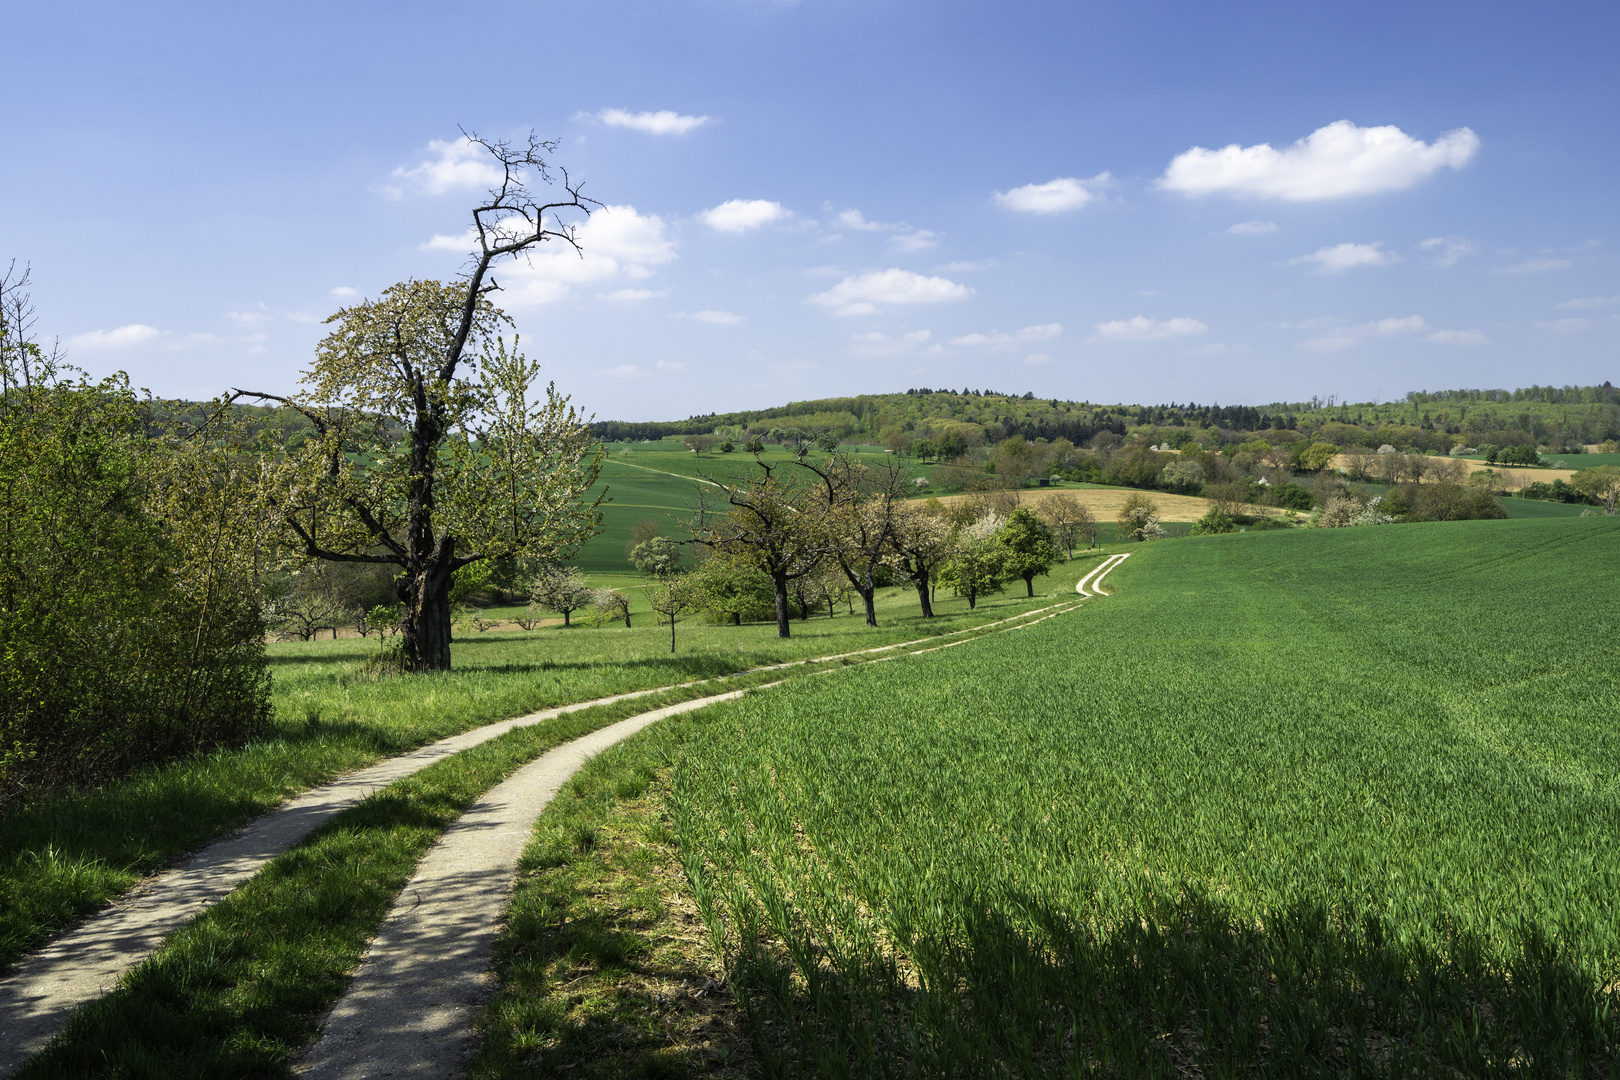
[1317, 802]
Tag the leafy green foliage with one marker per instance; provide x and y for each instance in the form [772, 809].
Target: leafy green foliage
[130, 630]
[1028, 545]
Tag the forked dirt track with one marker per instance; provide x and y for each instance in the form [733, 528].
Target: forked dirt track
[43, 989]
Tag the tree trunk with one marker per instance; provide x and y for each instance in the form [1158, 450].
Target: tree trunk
[922, 596]
[779, 581]
[426, 629]
[868, 597]
[672, 633]
[565, 620]
[1029, 583]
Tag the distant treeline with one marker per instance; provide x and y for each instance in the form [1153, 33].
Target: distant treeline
[1561, 418]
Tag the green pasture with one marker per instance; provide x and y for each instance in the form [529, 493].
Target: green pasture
[1536, 509]
[1338, 802]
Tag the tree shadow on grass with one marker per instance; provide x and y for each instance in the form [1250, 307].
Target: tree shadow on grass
[1184, 989]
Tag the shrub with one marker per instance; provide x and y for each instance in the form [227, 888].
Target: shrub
[1215, 520]
[130, 626]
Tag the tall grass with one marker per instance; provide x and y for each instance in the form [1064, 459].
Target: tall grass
[1297, 803]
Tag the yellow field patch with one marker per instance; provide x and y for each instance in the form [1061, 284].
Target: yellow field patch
[1105, 503]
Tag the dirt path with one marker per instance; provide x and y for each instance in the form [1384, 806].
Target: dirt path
[409, 1010]
[44, 988]
[1094, 579]
[41, 991]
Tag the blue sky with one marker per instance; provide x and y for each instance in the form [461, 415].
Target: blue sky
[1149, 202]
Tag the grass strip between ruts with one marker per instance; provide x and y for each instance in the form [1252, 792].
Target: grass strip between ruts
[605, 966]
[242, 988]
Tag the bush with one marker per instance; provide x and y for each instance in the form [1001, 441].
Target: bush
[1215, 520]
[1292, 496]
[130, 627]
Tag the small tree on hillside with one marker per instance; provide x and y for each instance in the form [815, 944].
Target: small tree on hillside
[978, 562]
[732, 589]
[671, 596]
[642, 531]
[1070, 520]
[920, 546]
[777, 526]
[1139, 518]
[562, 589]
[660, 555]
[864, 505]
[1028, 545]
[1602, 482]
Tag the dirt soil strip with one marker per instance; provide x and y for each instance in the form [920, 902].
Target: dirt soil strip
[43, 989]
[410, 1009]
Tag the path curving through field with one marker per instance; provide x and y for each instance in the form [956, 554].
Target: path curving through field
[1094, 579]
[44, 988]
[409, 1009]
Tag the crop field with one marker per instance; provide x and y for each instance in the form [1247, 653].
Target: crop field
[1105, 502]
[1295, 803]
[1536, 509]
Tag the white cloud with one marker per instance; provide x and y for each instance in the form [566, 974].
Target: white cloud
[1457, 337]
[663, 122]
[1342, 257]
[907, 240]
[1411, 324]
[122, 338]
[1448, 250]
[1588, 302]
[1534, 266]
[1565, 326]
[616, 242]
[344, 292]
[964, 267]
[1352, 335]
[740, 215]
[1252, 228]
[1054, 196]
[631, 296]
[461, 163]
[1037, 358]
[1044, 332]
[853, 219]
[1331, 162]
[860, 294]
[670, 365]
[877, 343]
[916, 240]
[1142, 328]
[623, 371]
[716, 318]
[249, 318]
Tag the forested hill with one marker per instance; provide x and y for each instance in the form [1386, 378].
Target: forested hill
[1544, 415]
